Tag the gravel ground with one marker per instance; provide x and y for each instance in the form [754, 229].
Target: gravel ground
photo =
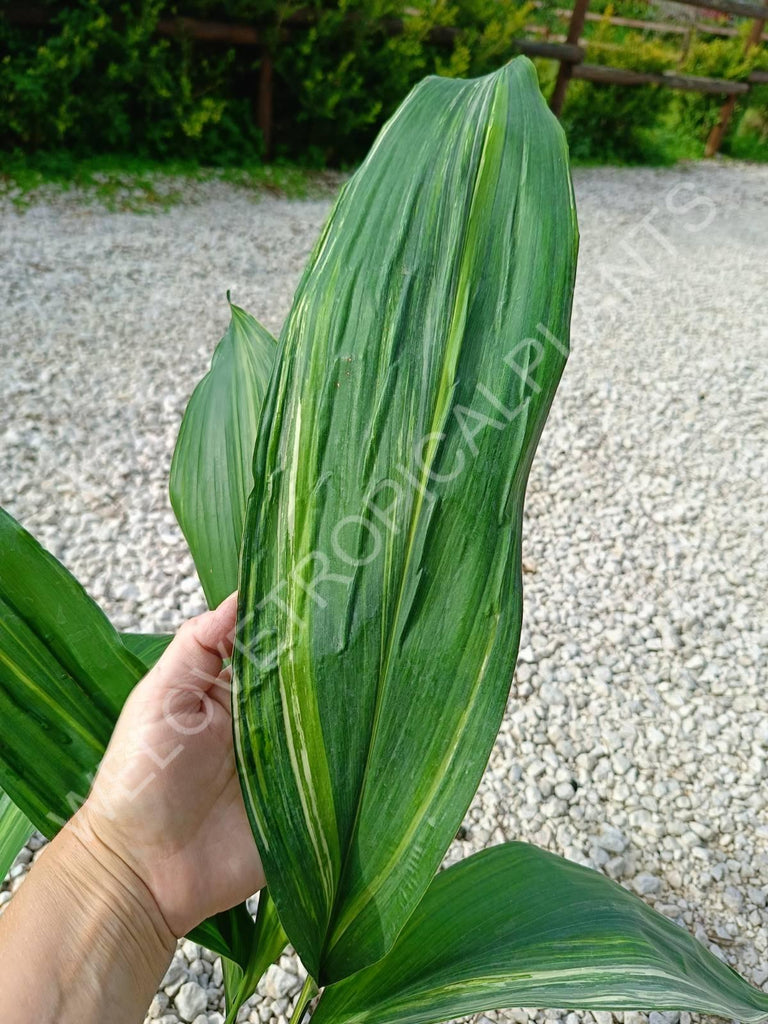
[636, 736]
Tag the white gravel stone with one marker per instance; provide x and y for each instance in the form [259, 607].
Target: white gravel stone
[733, 899]
[191, 1001]
[190, 950]
[176, 974]
[158, 1006]
[217, 976]
[612, 840]
[616, 867]
[758, 897]
[278, 983]
[645, 884]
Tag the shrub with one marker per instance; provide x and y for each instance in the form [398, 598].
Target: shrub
[613, 121]
[98, 79]
[698, 113]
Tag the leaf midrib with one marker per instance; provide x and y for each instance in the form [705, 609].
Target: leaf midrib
[442, 408]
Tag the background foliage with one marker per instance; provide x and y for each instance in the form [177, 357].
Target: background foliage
[98, 79]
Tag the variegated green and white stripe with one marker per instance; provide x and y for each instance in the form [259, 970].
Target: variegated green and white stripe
[516, 926]
[15, 830]
[380, 580]
[64, 677]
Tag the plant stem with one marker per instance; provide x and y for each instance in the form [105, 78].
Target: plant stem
[308, 991]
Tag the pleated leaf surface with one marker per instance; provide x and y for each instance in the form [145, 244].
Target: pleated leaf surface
[211, 471]
[380, 597]
[64, 677]
[15, 830]
[517, 926]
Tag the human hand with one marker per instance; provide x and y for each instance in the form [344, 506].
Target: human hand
[167, 800]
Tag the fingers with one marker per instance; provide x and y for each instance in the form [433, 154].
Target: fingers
[195, 656]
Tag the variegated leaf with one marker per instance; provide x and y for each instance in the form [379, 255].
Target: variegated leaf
[516, 926]
[211, 472]
[381, 596]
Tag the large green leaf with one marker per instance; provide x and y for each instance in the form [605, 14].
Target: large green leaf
[381, 595]
[211, 477]
[146, 646]
[211, 472]
[64, 676]
[15, 830]
[516, 926]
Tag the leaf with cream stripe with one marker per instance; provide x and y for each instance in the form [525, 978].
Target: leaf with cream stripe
[15, 830]
[380, 597]
[516, 926]
[64, 677]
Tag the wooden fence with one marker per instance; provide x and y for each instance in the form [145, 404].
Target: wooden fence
[575, 68]
[569, 51]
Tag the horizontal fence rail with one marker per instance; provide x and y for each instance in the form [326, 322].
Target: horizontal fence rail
[660, 27]
[685, 83]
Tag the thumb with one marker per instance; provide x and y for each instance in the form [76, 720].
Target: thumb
[194, 658]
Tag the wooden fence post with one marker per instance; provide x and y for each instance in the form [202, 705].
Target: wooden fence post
[565, 70]
[264, 110]
[717, 134]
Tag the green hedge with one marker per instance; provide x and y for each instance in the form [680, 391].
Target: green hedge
[98, 79]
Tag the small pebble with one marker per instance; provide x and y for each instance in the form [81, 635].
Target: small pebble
[190, 1001]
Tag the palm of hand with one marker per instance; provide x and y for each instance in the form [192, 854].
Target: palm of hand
[167, 798]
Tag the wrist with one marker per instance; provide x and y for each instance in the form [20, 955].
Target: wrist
[92, 866]
[115, 928]
[85, 923]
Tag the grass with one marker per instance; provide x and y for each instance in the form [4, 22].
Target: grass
[136, 185]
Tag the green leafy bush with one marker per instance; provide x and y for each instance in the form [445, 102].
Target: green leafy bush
[343, 75]
[651, 123]
[748, 138]
[698, 113]
[99, 79]
[717, 58]
[613, 121]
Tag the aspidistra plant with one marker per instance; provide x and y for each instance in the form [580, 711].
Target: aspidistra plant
[385, 442]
